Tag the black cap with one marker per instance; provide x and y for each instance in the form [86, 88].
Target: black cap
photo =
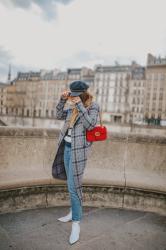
[78, 87]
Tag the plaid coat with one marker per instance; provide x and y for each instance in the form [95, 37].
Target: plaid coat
[87, 119]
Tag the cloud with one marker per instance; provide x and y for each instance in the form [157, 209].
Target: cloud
[48, 7]
[85, 58]
[84, 34]
[7, 58]
[5, 55]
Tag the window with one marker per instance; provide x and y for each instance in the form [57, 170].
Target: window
[162, 76]
[156, 77]
[161, 96]
[148, 95]
[154, 96]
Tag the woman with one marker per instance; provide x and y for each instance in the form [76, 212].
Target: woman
[71, 156]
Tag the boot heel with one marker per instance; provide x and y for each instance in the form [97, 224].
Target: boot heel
[66, 218]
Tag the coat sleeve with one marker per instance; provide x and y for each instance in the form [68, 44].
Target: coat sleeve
[89, 119]
[60, 113]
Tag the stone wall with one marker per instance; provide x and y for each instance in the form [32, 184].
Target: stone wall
[43, 122]
[126, 170]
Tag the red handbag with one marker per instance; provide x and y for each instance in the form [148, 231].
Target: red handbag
[98, 133]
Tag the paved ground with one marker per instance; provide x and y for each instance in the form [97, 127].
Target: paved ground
[101, 229]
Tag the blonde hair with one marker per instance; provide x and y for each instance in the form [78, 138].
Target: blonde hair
[86, 98]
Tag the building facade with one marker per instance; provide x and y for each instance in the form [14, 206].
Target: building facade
[155, 92]
[137, 85]
[125, 93]
[3, 95]
[111, 85]
[32, 94]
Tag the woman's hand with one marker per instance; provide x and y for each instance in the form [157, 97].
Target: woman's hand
[75, 99]
[65, 94]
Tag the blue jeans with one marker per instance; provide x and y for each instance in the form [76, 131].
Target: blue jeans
[74, 199]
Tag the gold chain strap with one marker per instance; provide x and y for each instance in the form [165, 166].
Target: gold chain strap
[100, 116]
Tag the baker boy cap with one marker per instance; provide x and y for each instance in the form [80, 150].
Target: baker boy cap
[77, 87]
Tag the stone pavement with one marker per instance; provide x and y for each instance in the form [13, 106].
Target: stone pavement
[101, 229]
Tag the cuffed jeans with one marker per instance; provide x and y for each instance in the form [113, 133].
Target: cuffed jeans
[74, 199]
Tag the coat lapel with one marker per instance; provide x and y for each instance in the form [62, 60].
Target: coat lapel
[67, 121]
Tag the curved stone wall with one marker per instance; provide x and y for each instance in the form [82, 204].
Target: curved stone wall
[126, 170]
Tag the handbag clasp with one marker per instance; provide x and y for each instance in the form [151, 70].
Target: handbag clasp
[97, 133]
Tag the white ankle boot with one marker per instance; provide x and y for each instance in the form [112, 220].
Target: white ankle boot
[66, 218]
[74, 236]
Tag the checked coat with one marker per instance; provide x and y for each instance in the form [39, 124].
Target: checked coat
[86, 119]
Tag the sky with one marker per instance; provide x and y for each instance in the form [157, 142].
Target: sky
[49, 34]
